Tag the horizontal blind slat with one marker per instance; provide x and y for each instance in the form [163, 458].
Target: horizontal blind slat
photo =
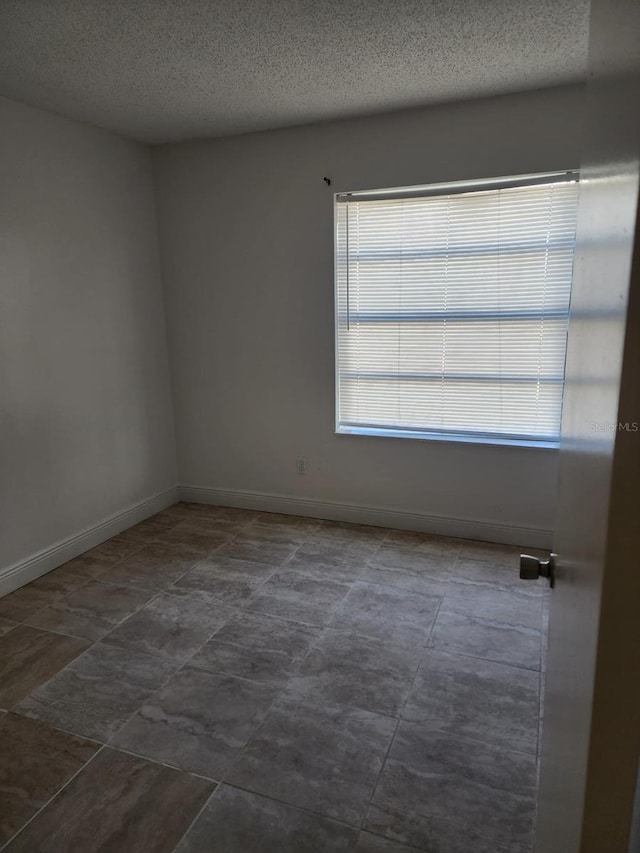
[457, 310]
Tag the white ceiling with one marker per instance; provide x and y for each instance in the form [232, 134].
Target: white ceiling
[162, 70]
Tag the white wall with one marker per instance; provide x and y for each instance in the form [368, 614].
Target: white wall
[86, 425]
[246, 237]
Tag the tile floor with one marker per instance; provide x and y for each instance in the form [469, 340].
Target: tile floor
[215, 680]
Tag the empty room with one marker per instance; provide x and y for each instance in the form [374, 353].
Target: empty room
[319, 426]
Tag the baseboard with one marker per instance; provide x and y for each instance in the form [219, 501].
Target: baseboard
[44, 561]
[50, 558]
[462, 528]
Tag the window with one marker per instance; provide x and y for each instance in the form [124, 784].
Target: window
[452, 306]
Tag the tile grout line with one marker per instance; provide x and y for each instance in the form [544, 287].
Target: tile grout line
[323, 629]
[181, 665]
[13, 709]
[156, 594]
[235, 611]
[91, 579]
[143, 703]
[56, 727]
[280, 693]
[54, 796]
[127, 750]
[305, 809]
[152, 595]
[198, 816]
[488, 660]
[475, 740]
[399, 717]
[239, 606]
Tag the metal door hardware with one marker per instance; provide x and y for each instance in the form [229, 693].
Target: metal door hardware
[531, 568]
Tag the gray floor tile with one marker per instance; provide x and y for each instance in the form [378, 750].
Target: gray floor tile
[340, 616]
[335, 560]
[500, 555]
[35, 761]
[102, 558]
[418, 583]
[210, 512]
[496, 574]
[223, 524]
[176, 512]
[259, 546]
[369, 843]
[509, 606]
[60, 581]
[490, 640]
[151, 528]
[236, 821]
[433, 834]
[174, 624]
[322, 757]
[117, 547]
[487, 701]
[67, 576]
[302, 521]
[416, 562]
[350, 669]
[111, 551]
[390, 614]
[283, 529]
[6, 625]
[199, 721]
[29, 657]
[233, 592]
[116, 803]
[24, 602]
[262, 632]
[355, 535]
[256, 646]
[230, 581]
[345, 531]
[96, 694]
[295, 596]
[155, 566]
[91, 611]
[455, 779]
[197, 538]
[260, 665]
[426, 543]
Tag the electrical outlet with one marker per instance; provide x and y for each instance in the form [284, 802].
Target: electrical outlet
[302, 465]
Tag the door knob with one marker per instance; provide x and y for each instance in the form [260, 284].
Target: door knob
[531, 568]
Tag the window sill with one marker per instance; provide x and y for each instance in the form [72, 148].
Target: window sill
[445, 437]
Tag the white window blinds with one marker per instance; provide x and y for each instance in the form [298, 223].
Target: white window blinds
[452, 307]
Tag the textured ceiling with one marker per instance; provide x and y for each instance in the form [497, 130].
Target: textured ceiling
[161, 70]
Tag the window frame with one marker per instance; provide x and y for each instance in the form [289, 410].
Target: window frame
[422, 191]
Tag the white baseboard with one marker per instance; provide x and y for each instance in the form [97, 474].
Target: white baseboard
[462, 528]
[50, 558]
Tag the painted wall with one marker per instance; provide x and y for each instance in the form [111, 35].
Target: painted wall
[86, 426]
[246, 235]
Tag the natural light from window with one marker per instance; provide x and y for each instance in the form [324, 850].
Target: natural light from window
[452, 307]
